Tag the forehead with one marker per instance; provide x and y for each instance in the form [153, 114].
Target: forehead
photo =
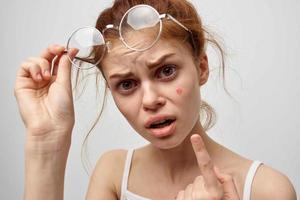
[120, 58]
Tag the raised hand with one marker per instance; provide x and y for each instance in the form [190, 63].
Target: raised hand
[212, 185]
[45, 100]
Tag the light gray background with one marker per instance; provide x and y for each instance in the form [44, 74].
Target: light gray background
[262, 37]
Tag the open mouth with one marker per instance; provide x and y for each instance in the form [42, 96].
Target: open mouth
[161, 124]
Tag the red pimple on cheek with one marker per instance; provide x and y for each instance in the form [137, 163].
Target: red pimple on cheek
[179, 91]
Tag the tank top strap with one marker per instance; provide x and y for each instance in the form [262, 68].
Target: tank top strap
[249, 179]
[126, 173]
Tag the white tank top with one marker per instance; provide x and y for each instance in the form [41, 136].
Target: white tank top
[127, 195]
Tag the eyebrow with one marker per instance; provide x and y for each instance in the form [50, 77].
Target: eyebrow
[150, 64]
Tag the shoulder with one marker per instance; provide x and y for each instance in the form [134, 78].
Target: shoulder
[113, 157]
[272, 184]
[107, 174]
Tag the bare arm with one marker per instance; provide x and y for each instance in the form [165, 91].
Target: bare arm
[45, 169]
[107, 173]
[270, 184]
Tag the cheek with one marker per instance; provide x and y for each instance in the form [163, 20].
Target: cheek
[123, 105]
[188, 95]
[179, 90]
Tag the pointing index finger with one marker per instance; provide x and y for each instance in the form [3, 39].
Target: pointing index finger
[204, 162]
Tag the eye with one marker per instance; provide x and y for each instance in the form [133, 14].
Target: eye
[167, 71]
[126, 85]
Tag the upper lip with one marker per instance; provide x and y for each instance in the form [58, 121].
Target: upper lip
[157, 118]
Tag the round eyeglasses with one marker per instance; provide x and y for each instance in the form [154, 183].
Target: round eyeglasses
[139, 21]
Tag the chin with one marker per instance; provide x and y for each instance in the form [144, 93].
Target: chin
[167, 143]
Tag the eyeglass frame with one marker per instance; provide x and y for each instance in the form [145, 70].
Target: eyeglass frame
[111, 26]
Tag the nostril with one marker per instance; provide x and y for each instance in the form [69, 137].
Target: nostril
[153, 103]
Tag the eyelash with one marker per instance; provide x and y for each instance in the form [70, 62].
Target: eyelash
[173, 67]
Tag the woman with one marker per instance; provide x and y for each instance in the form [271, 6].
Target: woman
[155, 79]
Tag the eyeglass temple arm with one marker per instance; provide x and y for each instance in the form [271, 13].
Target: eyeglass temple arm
[168, 16]
[173, 19]
[81, 59]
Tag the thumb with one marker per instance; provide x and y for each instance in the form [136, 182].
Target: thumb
[227, 181]
[65, 67]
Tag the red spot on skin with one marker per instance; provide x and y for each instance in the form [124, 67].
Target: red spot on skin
[179, 91]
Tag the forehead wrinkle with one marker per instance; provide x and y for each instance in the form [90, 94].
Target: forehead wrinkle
[122, 60]
[121, 54]
[162, 46]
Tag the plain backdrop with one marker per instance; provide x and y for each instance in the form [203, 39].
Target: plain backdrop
[263, 76]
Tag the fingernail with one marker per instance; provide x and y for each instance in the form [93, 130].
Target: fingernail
[73, 53]
[59, 49]
[195, 139]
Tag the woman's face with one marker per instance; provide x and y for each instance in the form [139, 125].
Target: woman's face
[159, 84]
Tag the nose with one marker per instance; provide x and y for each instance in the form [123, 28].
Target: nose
[152, 99]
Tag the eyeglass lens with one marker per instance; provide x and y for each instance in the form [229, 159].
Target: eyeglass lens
[140, 27]
[139, 30]
[85, 40]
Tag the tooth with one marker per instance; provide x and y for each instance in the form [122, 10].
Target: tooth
[159, 122]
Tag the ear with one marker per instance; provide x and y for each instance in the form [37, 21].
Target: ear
[203, 69]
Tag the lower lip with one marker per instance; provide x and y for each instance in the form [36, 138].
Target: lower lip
[164, 131]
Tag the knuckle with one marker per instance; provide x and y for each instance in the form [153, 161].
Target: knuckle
[198, 179]
[207, 163]
[228, 178]
[216, 195]
[31, 58]
[29, 62]
[44, 63]
[23, 64]
[196, 194]
[208, 160]
[181, 192]
[54, 47]
[34, 67]
[190, 186]
[51, 46]
[205, 158]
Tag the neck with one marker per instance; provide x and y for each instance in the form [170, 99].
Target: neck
[179, 161]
